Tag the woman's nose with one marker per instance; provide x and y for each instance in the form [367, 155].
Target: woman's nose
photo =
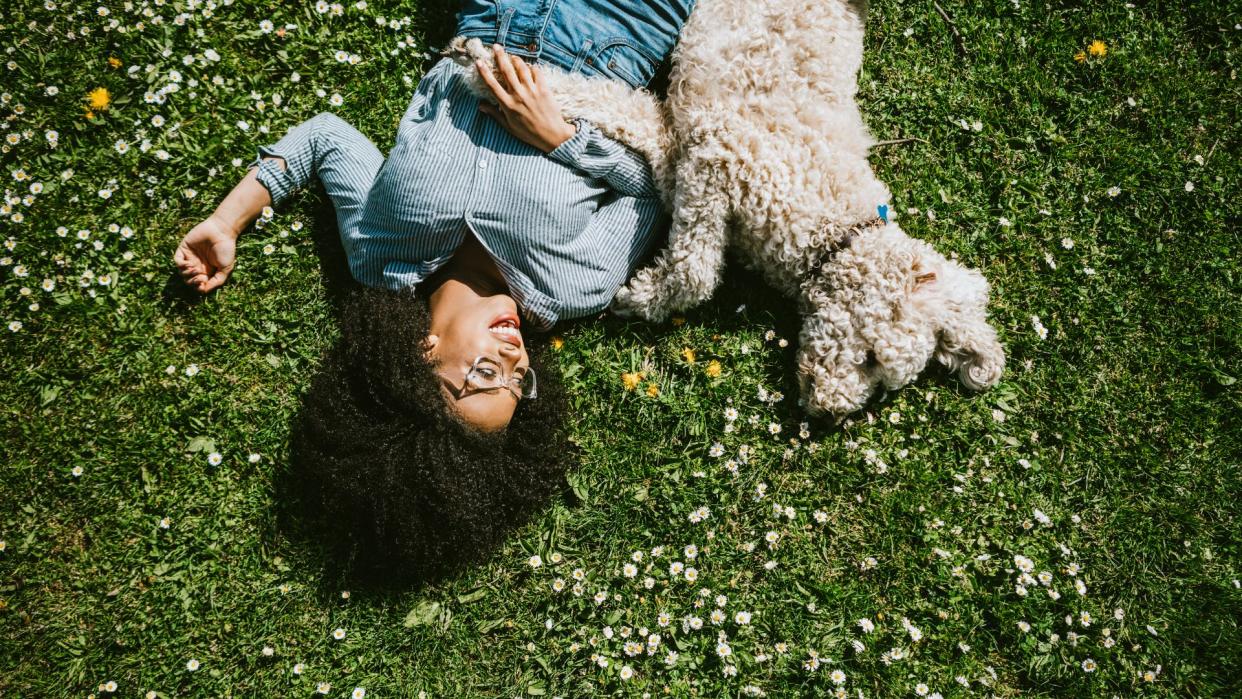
[510, 350]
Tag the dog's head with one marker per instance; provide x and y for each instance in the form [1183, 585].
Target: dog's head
[880, 310]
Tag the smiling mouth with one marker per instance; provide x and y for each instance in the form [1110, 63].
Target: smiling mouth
[506, 328]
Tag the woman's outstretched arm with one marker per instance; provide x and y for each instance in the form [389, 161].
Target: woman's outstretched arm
[206, 255]
[324, 147]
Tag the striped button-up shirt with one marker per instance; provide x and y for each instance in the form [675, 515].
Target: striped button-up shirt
[565, 228]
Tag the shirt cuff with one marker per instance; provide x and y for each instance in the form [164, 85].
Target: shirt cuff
[570, 152]
[277, 180]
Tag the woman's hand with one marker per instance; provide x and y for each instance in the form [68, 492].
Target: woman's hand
[206, 255]
[524, 104]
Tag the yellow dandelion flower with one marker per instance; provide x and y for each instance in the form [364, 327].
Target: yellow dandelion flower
[89, 114]
[678, 321]
[713, 368]
[557, 342]
[630, 380]
[653, 390]
[99, 98]
[1097, 48]
[1080, 56]
[688, 355]
[114, 62]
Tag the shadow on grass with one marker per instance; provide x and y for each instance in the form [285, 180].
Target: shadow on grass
[325, 546]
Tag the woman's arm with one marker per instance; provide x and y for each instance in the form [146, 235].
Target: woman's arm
[323, 147]
[528, 110]
[599, 156]
[524, 104]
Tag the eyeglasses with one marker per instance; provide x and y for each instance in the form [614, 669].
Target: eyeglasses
[485, 375]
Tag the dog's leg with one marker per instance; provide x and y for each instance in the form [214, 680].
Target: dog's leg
[688, 270]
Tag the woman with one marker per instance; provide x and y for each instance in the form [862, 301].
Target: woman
[434, 426]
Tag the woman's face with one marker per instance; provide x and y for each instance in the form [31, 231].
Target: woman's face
[466, 325]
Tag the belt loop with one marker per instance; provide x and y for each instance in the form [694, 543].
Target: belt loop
[502, 32]
[582, 55]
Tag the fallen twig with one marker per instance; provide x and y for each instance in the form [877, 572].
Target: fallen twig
[1211, 151]
[957, 36]
[897, 142]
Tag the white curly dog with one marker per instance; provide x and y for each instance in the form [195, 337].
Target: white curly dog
[770, 157]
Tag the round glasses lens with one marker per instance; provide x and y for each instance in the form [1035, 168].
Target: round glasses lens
[484, 376]
[528, 384]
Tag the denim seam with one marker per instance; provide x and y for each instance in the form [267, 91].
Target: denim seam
[547, 17]
[502, 24]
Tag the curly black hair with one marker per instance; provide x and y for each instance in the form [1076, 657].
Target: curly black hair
[410, 491]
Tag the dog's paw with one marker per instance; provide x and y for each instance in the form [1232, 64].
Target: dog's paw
[636, 300]
[983, 370]
[627, 303]
[465, 51]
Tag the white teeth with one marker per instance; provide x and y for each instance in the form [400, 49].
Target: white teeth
[505, 330]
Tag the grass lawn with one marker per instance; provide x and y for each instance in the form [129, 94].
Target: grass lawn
[1099, 196]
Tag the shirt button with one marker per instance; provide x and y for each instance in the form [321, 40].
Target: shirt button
[532, 47]
[482, 163]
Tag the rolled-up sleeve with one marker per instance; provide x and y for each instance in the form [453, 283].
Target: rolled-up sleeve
[591, 152]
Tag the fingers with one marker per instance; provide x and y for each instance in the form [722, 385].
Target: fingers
[214, 282]
[489, 78]
[187, 263]
[505, 63]
[522, 68]
[192, 276]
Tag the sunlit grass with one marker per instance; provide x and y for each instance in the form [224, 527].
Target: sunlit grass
[1073, 532]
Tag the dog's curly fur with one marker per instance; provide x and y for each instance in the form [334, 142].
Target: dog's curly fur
[403, 487]
[770, 157]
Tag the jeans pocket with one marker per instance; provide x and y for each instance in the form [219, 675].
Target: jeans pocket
[621, 59]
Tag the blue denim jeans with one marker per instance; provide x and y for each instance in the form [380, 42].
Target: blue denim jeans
[619, 39]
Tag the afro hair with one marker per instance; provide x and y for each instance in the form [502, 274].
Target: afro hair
[409, 491]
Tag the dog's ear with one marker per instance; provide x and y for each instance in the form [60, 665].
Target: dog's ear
[836, 370]
[969, 346]
[903, 344]
[966, 343]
